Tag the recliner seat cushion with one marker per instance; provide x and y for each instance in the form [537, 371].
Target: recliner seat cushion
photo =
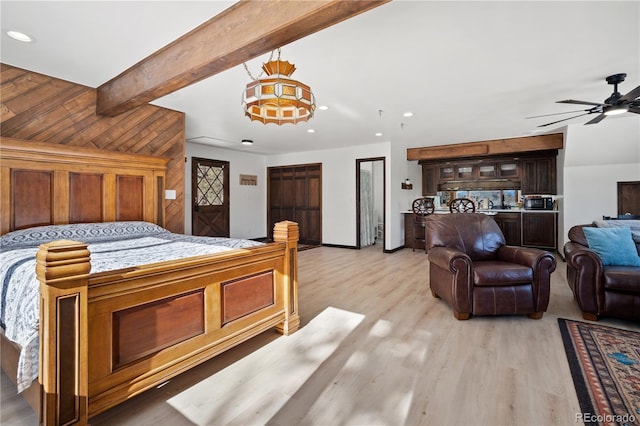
[495, 273]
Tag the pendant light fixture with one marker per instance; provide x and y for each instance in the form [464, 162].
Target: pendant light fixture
[276, 98]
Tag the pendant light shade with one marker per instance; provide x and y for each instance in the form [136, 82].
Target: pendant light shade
[277, 98]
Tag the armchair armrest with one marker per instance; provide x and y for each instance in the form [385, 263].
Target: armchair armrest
[581, 257]
[450, 278]
[527, 256]
[447, 258]
[584, 276]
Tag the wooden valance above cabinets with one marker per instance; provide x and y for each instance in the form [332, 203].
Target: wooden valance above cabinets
[528, 164]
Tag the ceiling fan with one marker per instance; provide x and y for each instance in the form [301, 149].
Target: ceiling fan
[614, 104]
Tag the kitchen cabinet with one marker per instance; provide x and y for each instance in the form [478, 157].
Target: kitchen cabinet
[510, 226]
[445, 172]
[540, 230]
[538, 175]
[532, 173]
[520, 228]
[466, 171]
[430, 179]
[487, 171]
[409, 233]
[508, 169]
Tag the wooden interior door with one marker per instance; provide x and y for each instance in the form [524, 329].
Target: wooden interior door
[629, 198]
[210, 206]
[295, 193]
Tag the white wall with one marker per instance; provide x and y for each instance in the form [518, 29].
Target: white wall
[339, 187]
[596, 157]
[248, 204]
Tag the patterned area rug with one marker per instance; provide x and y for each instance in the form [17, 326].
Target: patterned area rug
[605, 365]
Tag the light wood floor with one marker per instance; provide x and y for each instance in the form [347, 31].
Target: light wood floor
[375, 348]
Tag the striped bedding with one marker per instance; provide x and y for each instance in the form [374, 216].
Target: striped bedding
[113, 245]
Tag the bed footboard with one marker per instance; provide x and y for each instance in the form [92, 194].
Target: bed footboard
[109, 336]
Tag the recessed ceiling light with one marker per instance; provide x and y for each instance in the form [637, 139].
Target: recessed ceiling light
[16, 35]
[247, 142]
[323, 107]
[408, 114]
[378, 134]
[310, 131]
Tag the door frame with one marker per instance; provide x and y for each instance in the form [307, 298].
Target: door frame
[359, 162]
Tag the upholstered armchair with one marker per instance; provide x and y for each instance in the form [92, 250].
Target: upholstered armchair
[474, 271]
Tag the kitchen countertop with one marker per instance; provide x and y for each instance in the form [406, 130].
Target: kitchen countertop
[493, 211]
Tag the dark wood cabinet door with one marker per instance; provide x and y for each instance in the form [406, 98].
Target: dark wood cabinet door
[539, 175]
[429, 179]
[539, 230]
[529, 176]
[295, 193]
[509, 224]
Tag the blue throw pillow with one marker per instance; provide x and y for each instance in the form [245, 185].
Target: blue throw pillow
[614, 245]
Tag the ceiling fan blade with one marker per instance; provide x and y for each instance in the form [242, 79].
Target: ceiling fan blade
[564, 119]
[557, 113]
[572, 101]
[597, 119]
[634, 110]
[632, 95]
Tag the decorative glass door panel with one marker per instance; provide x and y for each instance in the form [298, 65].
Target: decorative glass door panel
[210, 187]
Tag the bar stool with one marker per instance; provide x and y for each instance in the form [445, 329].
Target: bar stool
[421, 208]
[462, 205]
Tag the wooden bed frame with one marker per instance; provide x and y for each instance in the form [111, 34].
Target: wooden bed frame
[109, 336]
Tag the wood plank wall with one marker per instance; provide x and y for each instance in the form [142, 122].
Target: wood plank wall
[45, 109]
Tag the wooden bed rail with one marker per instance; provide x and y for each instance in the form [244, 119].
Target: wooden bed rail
[66, 289]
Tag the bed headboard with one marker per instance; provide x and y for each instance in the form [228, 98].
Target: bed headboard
[45, 184]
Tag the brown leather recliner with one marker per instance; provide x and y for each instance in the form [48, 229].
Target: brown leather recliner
[612, 291]
[473, 269]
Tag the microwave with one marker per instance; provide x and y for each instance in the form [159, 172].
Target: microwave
[538, 203]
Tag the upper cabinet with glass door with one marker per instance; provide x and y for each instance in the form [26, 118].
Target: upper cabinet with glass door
[487, 171]
[508, 169]
[467, 171]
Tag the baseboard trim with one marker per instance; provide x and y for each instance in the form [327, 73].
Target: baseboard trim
[339, 246]
[394, 249]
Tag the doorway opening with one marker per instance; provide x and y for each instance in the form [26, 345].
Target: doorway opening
[370, 202]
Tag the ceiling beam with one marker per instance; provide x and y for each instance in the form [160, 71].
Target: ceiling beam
[490, 147]
[240, 33]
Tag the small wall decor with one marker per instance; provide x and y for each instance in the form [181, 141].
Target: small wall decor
[248, 180]
[407, 184]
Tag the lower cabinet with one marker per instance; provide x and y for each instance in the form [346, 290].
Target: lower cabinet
[409, 233]
[540, 230]
[509, 224]
[528, 229]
